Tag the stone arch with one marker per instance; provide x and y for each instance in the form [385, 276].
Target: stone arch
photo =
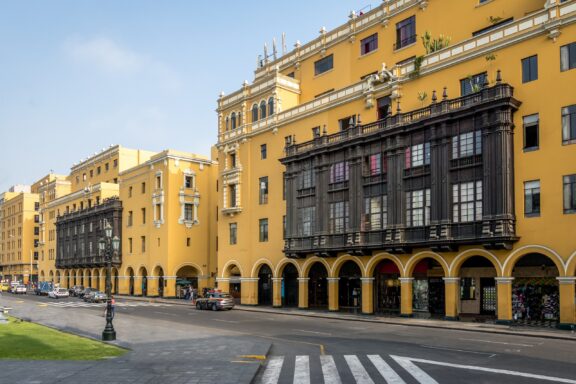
[143, 274]
[51, 276]
[57, 277]
[128, 270]
[258, 265]
[283, 263]
[375, 260]
[571, 265]
[310, 262]
[457, 263]
[340, 261]
[42, 276]
[158, 273]
[513, 258]
[228, 266]
[193, 265]
[414, 260]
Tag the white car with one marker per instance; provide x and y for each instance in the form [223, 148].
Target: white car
[20, 289]
[59, 293]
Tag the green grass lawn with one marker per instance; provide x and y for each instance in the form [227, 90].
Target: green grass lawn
[29, 341]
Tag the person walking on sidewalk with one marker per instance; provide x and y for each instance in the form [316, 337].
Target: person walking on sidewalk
[112, 306]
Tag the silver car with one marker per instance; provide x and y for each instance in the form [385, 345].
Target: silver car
[216, 301]
[95, 297]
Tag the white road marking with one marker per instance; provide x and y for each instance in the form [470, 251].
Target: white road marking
[421, 376]
[498, 342]
[459, 350]
[314, 332]
[302, 370]
[329, 370]
[385, 370]
[358, 370]
[272, 372]
[483, 369]
[226, 321]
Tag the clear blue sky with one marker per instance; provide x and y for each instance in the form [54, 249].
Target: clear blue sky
[79, 75]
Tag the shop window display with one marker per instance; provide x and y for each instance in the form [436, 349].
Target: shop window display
[535, 291]
[535, 299]
[428, 289]
[387, 288]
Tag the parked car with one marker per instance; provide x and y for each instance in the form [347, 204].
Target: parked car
[13, 286]
[43, 288]
[215, 301]
[95, 297]
[58, 293]
[75, 290]
[20, 289]
[86, 291]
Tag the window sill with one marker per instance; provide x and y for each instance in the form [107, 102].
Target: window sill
[530, 215]
[531, 149]
[367, 54]
[405, 47]
[570, 211]
[481, 4]
[569, 142]
[323, 73]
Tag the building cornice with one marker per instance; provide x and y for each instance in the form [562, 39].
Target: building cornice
[532, 25]
[105, 154]
[78, 194]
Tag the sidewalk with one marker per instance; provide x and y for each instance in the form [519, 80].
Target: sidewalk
[425, 323]
[160, 351]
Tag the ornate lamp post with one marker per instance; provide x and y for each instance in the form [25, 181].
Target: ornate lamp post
[108, 246]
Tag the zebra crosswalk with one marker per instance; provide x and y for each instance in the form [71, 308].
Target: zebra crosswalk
[81, 304]
[371, 369]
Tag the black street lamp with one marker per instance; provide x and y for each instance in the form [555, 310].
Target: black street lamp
[108, 246]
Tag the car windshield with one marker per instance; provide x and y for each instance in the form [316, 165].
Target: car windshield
[221, 295]
[62, 290]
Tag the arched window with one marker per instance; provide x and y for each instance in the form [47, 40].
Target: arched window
[227, 123]
[239, 118]
[262, 109]
[270, 106]
[255, 112]
[233, 119]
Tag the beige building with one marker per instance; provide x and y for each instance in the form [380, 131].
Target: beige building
[168, 225]
[19, 233]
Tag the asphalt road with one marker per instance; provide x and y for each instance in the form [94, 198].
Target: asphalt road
[314, 350]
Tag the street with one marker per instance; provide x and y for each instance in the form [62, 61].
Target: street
[313, 350]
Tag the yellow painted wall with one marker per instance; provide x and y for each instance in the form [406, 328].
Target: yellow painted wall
[550, 234]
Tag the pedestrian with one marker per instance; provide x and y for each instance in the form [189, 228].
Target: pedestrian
[193, 296]
[112, 307]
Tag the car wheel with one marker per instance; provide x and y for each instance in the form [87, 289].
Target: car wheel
[214, 307]
[198, 306]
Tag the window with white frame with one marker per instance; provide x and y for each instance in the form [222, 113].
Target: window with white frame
[188, 212]
[339, 172]
[339, 215]
[306, 218]
[418, 208]
[188, 181]
[417, 155]
[376, 210]
[467, 144]
[467, 202]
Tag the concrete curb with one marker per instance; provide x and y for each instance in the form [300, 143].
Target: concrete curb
[455, 326]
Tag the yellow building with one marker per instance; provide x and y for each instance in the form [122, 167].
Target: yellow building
[161, 205]
[89, 183]
[19, 231]
[429, 166]
[168, 225]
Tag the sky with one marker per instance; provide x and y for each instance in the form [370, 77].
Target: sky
[79, 75]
